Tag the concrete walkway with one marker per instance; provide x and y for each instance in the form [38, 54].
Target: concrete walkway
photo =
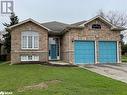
[114, 71]
[62, 63]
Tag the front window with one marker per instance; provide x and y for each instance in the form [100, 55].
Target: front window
[30, 40]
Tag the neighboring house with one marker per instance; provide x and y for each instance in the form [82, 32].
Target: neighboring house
[87, 42]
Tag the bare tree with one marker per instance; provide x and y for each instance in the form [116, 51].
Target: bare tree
[115, 17]
[118, 19]
[101, 13]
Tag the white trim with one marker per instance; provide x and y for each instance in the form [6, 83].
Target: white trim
[118, 57]
[95, 52]
[32, 58]
[28, 34]
[49, 58]
[99, 18]
[27, 20]
[58, 57]
[31, 51]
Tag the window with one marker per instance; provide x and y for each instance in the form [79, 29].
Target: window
[29, 58]
[30, 40]
[96, 26]
[24, 40]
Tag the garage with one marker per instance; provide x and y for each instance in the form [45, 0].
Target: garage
[84, 52]
[107, 52]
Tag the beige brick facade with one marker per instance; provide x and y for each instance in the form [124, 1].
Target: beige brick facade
[16, 50]
[87, 33]
[66, 40]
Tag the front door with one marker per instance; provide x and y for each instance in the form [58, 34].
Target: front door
[53, 51]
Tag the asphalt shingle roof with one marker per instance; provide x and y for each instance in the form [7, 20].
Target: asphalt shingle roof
[77, 23]
[56, 27]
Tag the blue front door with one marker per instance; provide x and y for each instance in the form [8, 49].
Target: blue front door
[84, 52]
[53, 51]
[107, 52]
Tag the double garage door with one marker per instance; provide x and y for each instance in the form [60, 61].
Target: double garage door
[85, 52]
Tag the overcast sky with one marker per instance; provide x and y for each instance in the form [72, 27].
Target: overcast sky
[67, 11]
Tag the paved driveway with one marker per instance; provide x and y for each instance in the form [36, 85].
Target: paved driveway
[115, 71]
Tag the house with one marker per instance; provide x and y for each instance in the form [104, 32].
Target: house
[87, 42]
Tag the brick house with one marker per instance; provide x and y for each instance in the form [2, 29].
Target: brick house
[86, 42]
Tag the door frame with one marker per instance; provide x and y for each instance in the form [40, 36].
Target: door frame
[58, 57]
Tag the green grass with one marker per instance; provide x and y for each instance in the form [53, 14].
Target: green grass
[1, 62]
[124, 58]
[74, 81]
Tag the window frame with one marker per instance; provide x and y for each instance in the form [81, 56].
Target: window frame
[29, 58]
[98, 26]
[34, 43]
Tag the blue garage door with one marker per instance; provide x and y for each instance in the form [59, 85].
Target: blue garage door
[107, 52]
[84, 52]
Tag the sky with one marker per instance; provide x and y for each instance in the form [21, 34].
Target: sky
[66, 11]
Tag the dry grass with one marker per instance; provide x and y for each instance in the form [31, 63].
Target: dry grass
[42, 85]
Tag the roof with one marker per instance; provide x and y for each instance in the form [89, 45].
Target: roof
[82, 23]
[55, 27]
[52, 27]
[27, 20]
[78, 23]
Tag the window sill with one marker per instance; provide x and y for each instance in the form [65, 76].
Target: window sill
[29, 60]
[29, 48]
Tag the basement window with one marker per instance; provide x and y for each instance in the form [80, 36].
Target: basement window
[29, 58]
[96, 26]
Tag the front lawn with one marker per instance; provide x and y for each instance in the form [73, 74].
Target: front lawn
[30, 79]
[1, 61]
[124, 58]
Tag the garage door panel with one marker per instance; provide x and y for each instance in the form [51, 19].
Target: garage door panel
[107, 52]
[84, 52]
[80, 52]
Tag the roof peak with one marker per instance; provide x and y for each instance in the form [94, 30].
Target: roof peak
[55, 22]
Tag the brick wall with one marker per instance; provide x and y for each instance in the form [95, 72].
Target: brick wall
[16, 50]
[104, 34]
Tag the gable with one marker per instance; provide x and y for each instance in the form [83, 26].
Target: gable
[29, 26]
[82, 24]
[100, 18]
[97, 21]
[27, 21]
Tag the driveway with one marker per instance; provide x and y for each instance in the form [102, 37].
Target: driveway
[114, 71]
